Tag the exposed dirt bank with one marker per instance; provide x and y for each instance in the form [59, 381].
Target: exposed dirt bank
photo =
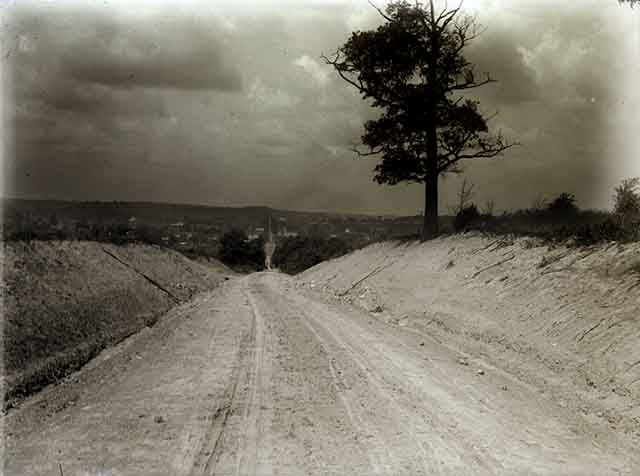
[564, 321]
[66, 301]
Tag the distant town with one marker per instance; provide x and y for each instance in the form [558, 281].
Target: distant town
[189, 227]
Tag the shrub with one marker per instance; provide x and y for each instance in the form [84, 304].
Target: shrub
[295, 254]
[563, 205]
[592, 233]
[236, 250]
[466, 217]
[627, 205]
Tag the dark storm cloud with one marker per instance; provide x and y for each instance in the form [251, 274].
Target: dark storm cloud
[160, 51]
[183, 56]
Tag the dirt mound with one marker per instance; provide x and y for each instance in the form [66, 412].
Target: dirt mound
[66, 301]
[565, 320]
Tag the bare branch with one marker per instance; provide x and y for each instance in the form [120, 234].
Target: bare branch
[487, 153]
[470, 83]
[465, 195]
[448, 16]
[379, 10]
[365, 154]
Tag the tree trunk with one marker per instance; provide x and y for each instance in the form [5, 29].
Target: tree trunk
[430, 227]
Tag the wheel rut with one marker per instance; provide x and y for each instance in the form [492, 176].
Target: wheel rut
[221, 432]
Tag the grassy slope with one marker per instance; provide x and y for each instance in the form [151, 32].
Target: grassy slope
[66, 301]
[564, 318]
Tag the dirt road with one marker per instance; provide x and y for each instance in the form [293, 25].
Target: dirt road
[261, 377]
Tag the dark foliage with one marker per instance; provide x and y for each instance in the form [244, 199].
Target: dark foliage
[560, 221]
[592, 233]
[627, 205]
[295, 254]
[563, 205]
[466, 217]
[238, 252]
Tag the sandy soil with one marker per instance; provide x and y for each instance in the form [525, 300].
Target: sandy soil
[264, 376]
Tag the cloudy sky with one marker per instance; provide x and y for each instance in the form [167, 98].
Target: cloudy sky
[228, 103]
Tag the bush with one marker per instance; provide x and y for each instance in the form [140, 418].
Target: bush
[627, 205]
[237, 251]
[295, 254]
[608, 230]
[563, 205]
[466, 217]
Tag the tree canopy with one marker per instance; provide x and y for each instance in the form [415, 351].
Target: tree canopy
[412, 67]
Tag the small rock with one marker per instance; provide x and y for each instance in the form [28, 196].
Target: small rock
[480, 372]
[504, 387]
[159, 419]
[462, 361]
[421, 344]
[377, 309]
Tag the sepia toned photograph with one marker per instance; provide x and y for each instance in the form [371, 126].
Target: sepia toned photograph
[320, 237]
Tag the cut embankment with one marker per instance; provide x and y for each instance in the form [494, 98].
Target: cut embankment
[66, 301]
[565, 320]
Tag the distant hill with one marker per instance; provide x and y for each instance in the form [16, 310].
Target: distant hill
[17, 212]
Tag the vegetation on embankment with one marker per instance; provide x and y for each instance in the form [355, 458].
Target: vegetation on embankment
[559, 220]
[65, 301]
[295, 254]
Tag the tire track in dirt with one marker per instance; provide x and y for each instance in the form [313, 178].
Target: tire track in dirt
[405, 404]
[256, 428]
[212, 448]
[206, 460]
[316, 428]
[388, 444]
[239, 439]
[384, 447]
[382, 459]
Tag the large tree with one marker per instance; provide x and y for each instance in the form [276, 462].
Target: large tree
[412, 67]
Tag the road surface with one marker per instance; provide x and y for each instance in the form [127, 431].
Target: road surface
[262, 377]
